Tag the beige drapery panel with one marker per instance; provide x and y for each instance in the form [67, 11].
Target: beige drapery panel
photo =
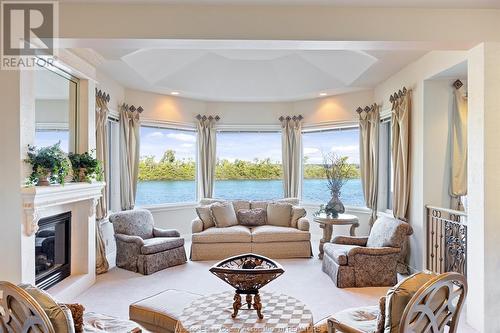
[129, 154]
[291, 143]
[369, 124]
[401, 113]
[207, 156]
[101, 133]
[458, 184]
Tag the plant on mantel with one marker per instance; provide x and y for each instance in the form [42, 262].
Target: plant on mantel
[50, 165]
[86, 168]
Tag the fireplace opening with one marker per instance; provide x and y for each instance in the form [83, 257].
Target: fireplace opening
[53, 250]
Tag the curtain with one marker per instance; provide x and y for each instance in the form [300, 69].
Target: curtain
[401, 109]
[101, 132]
[207, 157]
[291, 143]
[369, 123]
[129, 154]
[458, 184]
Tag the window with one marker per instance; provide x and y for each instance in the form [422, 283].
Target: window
[249, 166]
[344, 142]
[167, 166]
[113, 166]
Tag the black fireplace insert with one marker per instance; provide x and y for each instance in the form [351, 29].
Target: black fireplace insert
[53, 250]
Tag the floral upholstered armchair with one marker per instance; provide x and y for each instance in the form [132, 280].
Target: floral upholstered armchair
[143, 248]
[367, 261]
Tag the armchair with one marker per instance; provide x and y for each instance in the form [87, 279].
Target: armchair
[423, 302]
[367, 261]
[142, 247]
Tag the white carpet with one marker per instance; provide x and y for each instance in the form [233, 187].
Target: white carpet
[303, 279]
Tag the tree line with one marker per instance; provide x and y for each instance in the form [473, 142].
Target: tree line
[171, 168]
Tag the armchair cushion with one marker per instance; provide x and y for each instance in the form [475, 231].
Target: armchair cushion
[137, 222]
[362, 319]
[398, 297]
[224, 214]
[388, 231]
[160, 244]
[297, 213]
[338, 252]
[158, 232]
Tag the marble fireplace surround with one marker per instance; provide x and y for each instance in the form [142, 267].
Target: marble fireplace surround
[43, 201]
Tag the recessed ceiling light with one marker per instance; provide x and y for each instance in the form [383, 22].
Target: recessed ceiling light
[323, 94]
[174, 93]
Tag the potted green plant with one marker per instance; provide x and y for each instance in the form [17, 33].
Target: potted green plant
[49, 164]
[337, 171]
[86, 168]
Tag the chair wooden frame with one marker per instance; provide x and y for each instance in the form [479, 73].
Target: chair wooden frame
[448, 313]
[20, 313]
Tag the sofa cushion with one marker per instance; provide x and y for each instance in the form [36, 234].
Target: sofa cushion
[160, 244]
[398, 297]
[388, 231]
[205, 215]
[59, 315]
[223, 214]
[279, 214]
[252, 217]
[235, 234]
[292, 201]
[270, 233]
[209, 201]
[338, 252]
[241, 204]
[259, 204]
[297, 213]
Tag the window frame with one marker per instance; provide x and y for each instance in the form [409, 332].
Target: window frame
[169, 125]
[334, 126]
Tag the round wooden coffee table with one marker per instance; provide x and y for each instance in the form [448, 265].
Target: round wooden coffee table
[327, 222]
[282, 313]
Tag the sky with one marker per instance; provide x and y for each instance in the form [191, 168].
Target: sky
[250, 145]
[49, 138]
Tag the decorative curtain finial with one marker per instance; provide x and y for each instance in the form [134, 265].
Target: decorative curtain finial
[457, 84]
[204, 117]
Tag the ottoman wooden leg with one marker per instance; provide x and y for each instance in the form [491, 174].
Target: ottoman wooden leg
[257, 305]
[236, 305]
[249, 300]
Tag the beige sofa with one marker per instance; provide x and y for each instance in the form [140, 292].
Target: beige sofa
[272, 241]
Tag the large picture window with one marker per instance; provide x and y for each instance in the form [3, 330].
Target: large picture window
[249, 166]
[167, 166]
[316, 144]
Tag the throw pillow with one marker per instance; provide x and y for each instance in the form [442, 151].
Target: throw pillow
[205, 215]
[223, 215]
[252, 217]
[297, 213]
[77, 311]
[279, 214]
[259, 204]
[59, 316]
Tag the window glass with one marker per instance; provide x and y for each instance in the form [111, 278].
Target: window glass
[167, 166]
[343, 142]
[249, 166]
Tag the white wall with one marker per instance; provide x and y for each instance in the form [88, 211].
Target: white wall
[413, 77]
[113, 88]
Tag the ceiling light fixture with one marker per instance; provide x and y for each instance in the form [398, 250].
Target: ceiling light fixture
[174, 93]
[323, 94]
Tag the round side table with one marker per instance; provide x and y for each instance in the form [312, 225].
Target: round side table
[327, 222]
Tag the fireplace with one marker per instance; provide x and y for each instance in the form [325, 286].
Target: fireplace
[53, 250]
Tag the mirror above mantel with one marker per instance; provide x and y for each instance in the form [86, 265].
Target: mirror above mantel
[56, 104]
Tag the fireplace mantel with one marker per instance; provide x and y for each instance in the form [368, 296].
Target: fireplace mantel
[38, 198]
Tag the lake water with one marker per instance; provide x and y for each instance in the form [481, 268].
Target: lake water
[315, 190]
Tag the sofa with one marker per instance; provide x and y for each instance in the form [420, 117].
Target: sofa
[282, 230]
[142, 247]
[367, 261]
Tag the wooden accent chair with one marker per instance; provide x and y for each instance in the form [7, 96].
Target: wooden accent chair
[423, 302]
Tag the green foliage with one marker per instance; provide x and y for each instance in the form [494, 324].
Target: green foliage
[92, 167]
[48, 162]
[170, 168]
